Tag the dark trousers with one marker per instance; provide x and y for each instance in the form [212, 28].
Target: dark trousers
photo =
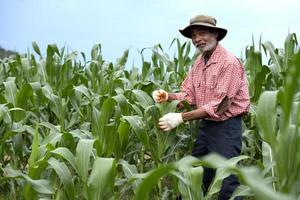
[224, 138]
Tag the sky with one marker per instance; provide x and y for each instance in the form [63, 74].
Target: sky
[135, 24]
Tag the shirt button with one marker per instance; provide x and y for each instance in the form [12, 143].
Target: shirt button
[199, 84]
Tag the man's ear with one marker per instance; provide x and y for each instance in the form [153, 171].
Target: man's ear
[216, 34]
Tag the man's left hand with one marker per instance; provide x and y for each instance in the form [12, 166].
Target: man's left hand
[170, 121]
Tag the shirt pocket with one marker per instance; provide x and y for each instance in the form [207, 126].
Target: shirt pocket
[196, 81]
[211, 83]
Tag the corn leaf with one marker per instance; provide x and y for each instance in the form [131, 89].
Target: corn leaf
[102, 178]
[67, 155]
[64, 174]
[266, 116]
[83, 153]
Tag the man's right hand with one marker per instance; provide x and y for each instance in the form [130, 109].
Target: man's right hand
[160, 96]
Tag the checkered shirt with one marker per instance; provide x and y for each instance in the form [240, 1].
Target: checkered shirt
[219, 86]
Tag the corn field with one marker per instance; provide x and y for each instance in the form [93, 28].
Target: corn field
[72, 128]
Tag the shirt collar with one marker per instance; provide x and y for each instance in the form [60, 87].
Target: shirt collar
[213, 58]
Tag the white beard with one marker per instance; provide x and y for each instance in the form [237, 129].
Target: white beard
[208, 47]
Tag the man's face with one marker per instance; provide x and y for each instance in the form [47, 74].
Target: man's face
[204, 40]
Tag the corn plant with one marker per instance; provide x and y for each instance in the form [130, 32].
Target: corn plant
[73, 128]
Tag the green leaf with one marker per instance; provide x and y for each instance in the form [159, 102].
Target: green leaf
[143, 98]
[258, 83]
[83, 90]
[215, 186]
[290, 46]
[130, 171]
[64, 175]
[41, 186]
[22, 95]
[55, 100]
[242, 190]
[196, 176]
[4, 114]
[139, 127]
[291, 86]
[96, 131]
[122, 61]
[50, 126]
[267, 155]
[102, 179]
[95, 51]
[10, 90]
[154, 112]
[193, 181]
[122, 103]
[224, 168]
[36, 48]
[55, 49]
[168, 107]
[151, 179]
[83, 154]
[106, 113]
[124, 131]
[252, 178]
[276, 66]
[217, 161]
[146, 71]
[34, 149]
[66, 154]
[266, 116]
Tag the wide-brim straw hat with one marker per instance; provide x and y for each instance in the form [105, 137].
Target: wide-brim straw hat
[206, 22]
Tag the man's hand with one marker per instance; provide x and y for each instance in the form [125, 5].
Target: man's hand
[160, 96]
[170, 121]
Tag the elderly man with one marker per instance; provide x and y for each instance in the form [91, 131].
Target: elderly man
[217, 86]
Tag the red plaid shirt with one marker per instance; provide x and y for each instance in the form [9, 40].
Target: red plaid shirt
[221, 78]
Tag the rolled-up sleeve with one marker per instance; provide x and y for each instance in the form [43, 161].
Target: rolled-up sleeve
[228, 84]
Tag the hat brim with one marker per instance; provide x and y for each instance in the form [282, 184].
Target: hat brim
[187, 31]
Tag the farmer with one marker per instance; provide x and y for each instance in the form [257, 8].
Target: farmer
[217, 86]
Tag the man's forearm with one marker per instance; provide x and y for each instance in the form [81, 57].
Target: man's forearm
[171, 96]
[199, 113]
